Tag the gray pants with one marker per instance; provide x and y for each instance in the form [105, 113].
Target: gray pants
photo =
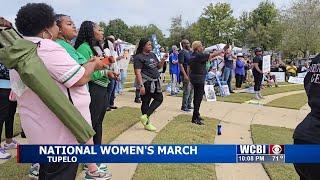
[187, 94]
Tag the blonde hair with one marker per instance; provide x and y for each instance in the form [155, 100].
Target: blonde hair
[196, 44]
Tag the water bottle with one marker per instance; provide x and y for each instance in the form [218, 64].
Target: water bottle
[219, 128]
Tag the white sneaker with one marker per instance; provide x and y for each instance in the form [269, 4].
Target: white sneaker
[12, 145]
[260, 96]
[34, 171]
[4, 154]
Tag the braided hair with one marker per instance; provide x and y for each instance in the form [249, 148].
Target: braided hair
[86, 34]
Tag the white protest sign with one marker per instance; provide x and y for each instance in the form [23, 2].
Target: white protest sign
[296, 80]
[280, 76]
[111, 48]
[302, 75]
[266, 65]
[210, 93]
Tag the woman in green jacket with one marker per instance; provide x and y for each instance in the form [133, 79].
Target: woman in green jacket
[89, 36]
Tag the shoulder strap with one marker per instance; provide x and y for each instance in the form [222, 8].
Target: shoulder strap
[69, 95]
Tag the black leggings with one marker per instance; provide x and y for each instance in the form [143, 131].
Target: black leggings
[58, 171]
[257, 80]
[7, 112]
[146, 107]
[239, 80]
[197, 99]
[98, 106]
[307, 171]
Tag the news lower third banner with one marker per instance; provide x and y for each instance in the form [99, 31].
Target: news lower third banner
[169, 153]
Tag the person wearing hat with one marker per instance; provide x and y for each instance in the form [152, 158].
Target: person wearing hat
[239, 71]
[197, 75]
[257, 72]
[308, 131]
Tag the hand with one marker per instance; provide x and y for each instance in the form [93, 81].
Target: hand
[227, 46]
[110, 74]
[142, 91]
[165, 56]
[116, 76]
[5, 23]
[99, 65]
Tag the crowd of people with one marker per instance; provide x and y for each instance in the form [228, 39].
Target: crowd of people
[89, 67]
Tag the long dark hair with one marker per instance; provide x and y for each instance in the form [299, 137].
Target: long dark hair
[142, 43]
[86, 34]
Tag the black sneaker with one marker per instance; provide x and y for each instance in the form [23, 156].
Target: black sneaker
[185, 109]
[200, 118]
[137, 100]
[190, 107]
[113, 107]
[197, 122]
[23, 135]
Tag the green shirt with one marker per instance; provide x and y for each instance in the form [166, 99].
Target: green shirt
[98, 77]
[72, 52]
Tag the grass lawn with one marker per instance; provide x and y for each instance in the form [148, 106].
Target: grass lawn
[262, 134]
[295, 101]
[181, 131]
[113, 126]
[243, 97]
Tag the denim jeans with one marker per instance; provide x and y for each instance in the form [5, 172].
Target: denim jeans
[187, 94]
[174, 82]
[227, 76]
[123, 78]
[111, 91]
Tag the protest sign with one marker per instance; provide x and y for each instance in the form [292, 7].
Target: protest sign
[266, 65]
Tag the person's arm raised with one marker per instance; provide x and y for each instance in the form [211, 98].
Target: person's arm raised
[163, 60]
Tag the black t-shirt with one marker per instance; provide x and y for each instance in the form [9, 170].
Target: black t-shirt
[148, 64]
[184, 58]
[259, 60]
[197, 65]
[309, 129]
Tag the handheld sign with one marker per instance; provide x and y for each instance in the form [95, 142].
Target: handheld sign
[111, 48]
[156, 46]
[266, 65]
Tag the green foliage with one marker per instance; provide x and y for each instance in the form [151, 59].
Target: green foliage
[217, 24]
[116, 27]
[302, 30]
[132, 34]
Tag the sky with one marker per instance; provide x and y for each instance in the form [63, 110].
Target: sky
[134, 12]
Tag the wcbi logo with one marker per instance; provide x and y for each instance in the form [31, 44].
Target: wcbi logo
[260, 149]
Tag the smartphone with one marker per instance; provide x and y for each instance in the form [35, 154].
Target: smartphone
[106, 61]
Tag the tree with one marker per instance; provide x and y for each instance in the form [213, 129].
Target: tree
[192, 32]
[135, 33]
[302, 27]
[176, 31]
[263, 27]
[265, 14]
[118, 28]
[217, 24]
[243, 27]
